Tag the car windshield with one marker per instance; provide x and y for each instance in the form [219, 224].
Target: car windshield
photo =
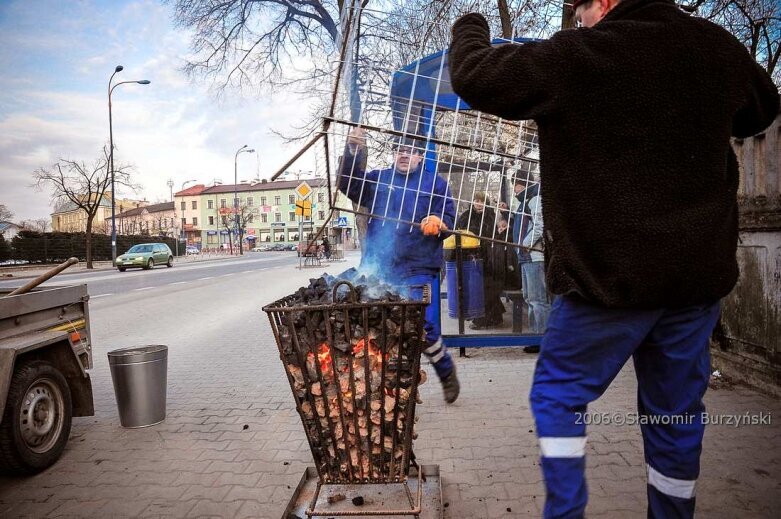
[135, 249]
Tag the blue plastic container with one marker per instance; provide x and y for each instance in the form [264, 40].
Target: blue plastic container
[474, 301]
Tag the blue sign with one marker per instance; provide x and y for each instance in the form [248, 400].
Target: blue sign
[224, 232]
[211, 233]
[342, 221]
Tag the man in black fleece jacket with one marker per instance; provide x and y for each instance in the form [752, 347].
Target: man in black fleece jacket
[638, 180]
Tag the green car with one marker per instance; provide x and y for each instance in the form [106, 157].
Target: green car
[146, 256]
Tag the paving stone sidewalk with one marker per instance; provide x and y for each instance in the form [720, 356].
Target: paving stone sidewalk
[233, 446]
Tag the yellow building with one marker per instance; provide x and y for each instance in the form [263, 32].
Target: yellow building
[69, 218]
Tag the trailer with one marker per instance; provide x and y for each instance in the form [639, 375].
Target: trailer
[45, 355]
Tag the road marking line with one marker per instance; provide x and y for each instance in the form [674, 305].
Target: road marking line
[145, 288]
[208, 277]
[250, 271]
[179, 283]
[100, 295]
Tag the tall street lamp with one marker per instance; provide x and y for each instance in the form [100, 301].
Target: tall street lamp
[243, 149]
[170, 185]
[183, 235]
[111, 88]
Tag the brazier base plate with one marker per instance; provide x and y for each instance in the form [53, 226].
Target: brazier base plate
[375, 497]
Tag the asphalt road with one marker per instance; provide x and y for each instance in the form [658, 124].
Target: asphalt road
[107, 283]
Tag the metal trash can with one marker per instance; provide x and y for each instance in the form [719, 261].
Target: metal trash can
[140, 376]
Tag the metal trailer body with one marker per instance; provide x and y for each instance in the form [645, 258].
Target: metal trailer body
[47, 325]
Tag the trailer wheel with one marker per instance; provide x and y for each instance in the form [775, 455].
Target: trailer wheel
[37, 419]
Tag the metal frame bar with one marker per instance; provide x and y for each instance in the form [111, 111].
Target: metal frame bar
[491, 340]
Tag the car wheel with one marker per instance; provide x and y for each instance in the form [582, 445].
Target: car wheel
[150, 264]
[37, 419]
[121, 269]
[170, 262]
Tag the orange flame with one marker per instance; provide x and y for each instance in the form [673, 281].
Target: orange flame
[323, 357]
[374, 351]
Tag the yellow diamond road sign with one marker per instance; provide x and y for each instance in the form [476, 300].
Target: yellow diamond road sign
[303, 190]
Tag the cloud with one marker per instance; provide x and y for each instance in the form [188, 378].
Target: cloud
[56, 69]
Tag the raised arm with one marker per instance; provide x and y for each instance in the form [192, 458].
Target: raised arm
[352, 169]
[511, 81]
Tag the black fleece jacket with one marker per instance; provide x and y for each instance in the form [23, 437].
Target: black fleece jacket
[638, 178]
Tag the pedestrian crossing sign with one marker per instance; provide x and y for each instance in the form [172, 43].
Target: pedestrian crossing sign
[342, 222]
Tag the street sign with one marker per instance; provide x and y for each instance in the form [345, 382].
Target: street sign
[342, 221]
[303, 190]
[304, 207]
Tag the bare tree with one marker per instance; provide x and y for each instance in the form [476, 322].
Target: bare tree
[5, 213]
[82, 186]
[755, 23]
[37, 225]
[258, 43]
[242, 215]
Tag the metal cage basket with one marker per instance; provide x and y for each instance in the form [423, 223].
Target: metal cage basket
[354, 369]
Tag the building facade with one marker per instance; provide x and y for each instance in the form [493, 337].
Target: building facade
[8, 230]
[152, 220]
[68, 217]
[187, 209]
[267, 210]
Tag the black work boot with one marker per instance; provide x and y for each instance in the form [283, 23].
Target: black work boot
[451, 387]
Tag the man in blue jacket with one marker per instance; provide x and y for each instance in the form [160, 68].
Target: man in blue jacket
[394, 250]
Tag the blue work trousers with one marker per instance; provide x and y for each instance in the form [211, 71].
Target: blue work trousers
[583, 349]
[435, 350]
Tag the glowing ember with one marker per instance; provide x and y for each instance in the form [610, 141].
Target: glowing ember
[374, 352]
[323, 357]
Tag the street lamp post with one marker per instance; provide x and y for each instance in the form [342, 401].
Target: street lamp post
[243, 149]
[170, 185]
[182, 235]
[111, 88]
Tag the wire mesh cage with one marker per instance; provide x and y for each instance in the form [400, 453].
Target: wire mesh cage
[354, 368]
[392, 83]
[393, 88]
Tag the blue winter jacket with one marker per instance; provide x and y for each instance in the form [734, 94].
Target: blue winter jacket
[396, 249]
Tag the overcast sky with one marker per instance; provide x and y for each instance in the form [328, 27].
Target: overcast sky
[56, 58]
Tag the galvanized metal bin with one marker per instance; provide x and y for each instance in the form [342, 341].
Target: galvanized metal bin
[140, 377]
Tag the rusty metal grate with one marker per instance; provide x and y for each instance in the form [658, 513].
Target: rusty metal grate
[354, 369]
